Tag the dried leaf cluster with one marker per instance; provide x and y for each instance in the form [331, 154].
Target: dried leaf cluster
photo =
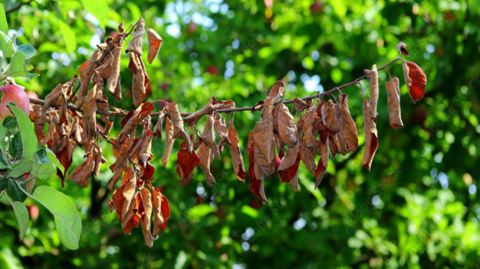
[278, 143]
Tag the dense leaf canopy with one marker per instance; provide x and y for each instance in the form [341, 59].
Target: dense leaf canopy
[417, 208]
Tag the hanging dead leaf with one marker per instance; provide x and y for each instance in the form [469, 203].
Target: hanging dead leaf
[186, 162]
[256, 183]
[169, 140]
[138, 86]
[288, 168]
[114, 80]
[135, 44]
[331, 117]
[394, 109]
[161, 212]
[416, 89]
[299, 105]
[178, 127]
[158, 126]
[286, 126]
[154, 44]
[371, 140]
[131, 121]
[350, 132]
[205, 155]
[237, 158]
[81, 175]
[145, 215]
[373, 76]
[323, 162]
[208, 137]
[402, 48]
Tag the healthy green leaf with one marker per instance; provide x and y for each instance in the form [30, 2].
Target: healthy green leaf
[53, 158]
[3, 183]
[15, 147]
[42, 168]
[21, 213]
[28, 50]
[14, 190]
[17, 66]
[67, 218]
[3, 20]
[6, 45]
[21, 167]
[29, 139]
[68, 36]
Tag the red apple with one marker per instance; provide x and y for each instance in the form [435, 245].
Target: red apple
[13, 94]
[212, 70]
[316, 7]
[33, 210]
[192, 27]
[32, 94]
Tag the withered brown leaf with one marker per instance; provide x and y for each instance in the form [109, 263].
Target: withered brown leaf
[416, 89]
[256, 183]
[350, 132]
[287, 128]
[394, 109]
[371, 140]
[161, 212]
[145, 215]
[154, 44]
[237, 158]
[114, 77]
[373, 76]
[208, 137]
[135, 44]
[186, 162]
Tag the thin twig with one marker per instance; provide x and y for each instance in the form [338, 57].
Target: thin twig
[226, 110]
[18, 7]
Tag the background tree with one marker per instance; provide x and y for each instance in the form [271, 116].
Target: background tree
[418, 207]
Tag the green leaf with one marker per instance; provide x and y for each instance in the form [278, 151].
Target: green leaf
[32, 75]
[3, 183]
[99, 9]
[15, 148]
[6, 45]
[68, 36]
[42, 168]
[3, 20]
[14, 190]
[17, 66]
[28, 50]
[67, 218]
[21, 167]
[29, 139]
[53, 158]
[21, 213]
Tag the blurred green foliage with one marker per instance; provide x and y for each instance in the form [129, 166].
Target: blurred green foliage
[417, 208]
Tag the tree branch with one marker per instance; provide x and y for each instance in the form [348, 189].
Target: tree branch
[18, 7]
[234, 109]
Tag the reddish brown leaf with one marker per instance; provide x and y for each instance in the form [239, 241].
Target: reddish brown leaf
[373, 76]
[154, 44]
[161, 212]
[186, 162]
[371, 141]
[419, 82]
[135, 44]
[145, 214]
[237, 158]
[81, 175]
[256, 183]
[350, 132]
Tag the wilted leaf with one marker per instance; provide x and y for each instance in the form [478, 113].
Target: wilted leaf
[373, 76]
[178, 127]
[237, 158]
[288, 168]
[186, 162]
[418, 81]
[256, 183]
[134, 118]
[161, 212]
[299, 105]
[350, 132]
[154, 44]
[114, 80]
[82, 173]
[169, 140]
[287, 128]
[394, 109]
[135, 44]
[208, 137]
[145, 215]
[323, 162]
[139, 78]
[371, 140]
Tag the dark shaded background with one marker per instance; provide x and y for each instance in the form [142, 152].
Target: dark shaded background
[417, 208]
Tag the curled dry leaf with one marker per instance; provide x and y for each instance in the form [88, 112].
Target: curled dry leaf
[331, 117]
[139, 78]
[323, 162]
[263, 135]
[154, 44]
[114, 80]
[371, 138]
[222, 131]
[89, 115]
[406, 73]
[178, 127]
[350, 132]
[86, 72]
[416, 89]
[145, 150]
[287, 128]
[205, 155]
[134, 117]
[208, 137]
[256, 183]
[288, 168]
[157, 131]
[169, 140]
[161, 212]
[402, 48]
[310, 144]
[81, 175]
[237, 158]
[394, 109]
[299, 105]
[373, 76]
[145, 215]
[211, 106]
[186, 162]
[135, 44]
